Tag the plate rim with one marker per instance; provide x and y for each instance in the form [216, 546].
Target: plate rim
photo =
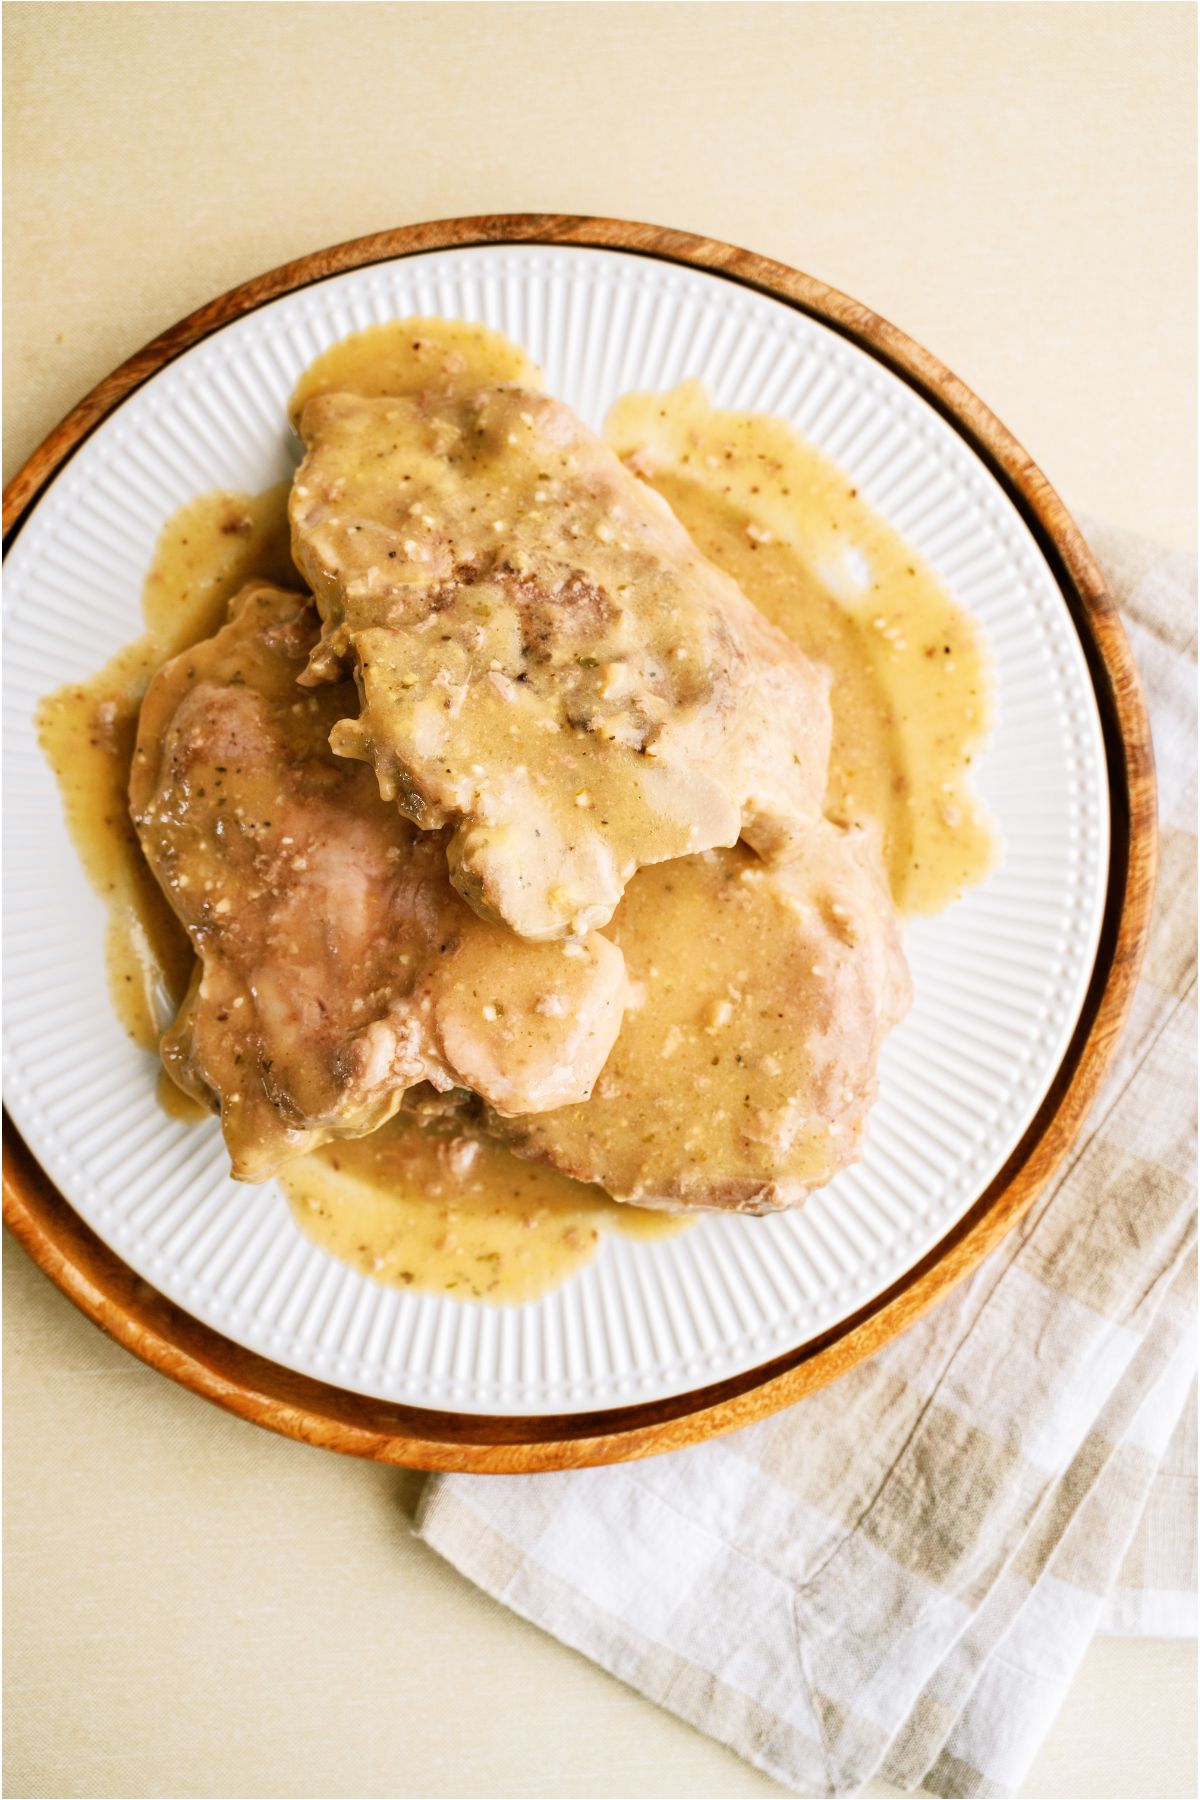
[255, 1388]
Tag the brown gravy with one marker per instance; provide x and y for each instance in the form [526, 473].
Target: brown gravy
[451, 1213]
[911, 687]
[406, 356]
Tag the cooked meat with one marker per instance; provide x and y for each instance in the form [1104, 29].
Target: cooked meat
[745, 1067]
[546, 662]
[339, 967]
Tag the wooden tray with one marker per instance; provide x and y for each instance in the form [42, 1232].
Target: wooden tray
[132, 1312]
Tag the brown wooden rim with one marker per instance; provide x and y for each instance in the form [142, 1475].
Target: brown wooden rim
[166, 1337]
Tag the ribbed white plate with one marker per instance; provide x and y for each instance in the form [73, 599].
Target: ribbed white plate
[999, 979]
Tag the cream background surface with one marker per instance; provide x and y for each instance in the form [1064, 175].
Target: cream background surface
[193, 1606]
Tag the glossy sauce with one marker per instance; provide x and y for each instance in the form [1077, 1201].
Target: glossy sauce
[450, 1213]
[407, 356]
[441, 1209]
[911, 688]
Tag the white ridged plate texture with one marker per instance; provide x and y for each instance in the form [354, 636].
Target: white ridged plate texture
[999, 979]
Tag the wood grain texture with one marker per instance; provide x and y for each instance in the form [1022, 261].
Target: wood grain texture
[169, 1339]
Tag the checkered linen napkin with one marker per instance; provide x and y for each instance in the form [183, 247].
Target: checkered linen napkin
[898, 1577]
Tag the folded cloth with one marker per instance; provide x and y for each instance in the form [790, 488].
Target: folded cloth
[898, 1577]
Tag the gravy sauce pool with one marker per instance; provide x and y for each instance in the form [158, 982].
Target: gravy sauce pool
[417, 1207]
[406, 356]
[911, 689]
[433, 1208]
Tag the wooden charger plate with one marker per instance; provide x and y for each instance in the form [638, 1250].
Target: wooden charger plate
[162, 1334]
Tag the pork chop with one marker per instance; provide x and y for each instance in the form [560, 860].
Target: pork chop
[546, 662]
[339, 968]
[746, 1063]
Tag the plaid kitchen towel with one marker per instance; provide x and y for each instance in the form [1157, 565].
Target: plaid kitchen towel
[898, 1577]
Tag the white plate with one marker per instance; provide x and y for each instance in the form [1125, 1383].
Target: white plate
[999, 979]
